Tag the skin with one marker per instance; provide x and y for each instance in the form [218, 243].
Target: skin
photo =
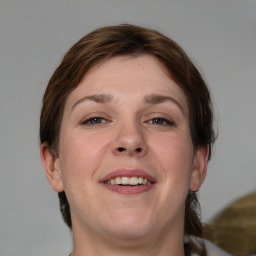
[154, 137]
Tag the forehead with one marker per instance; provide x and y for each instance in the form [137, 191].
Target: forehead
[130, 76]
[129, 68]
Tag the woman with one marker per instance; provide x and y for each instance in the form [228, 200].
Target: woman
[126, 132]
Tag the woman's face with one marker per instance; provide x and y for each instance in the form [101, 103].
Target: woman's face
[126, 159]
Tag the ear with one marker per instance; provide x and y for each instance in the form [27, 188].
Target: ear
[51, 167]
[199, 167]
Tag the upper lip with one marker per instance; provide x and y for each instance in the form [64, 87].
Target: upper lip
[124, 172]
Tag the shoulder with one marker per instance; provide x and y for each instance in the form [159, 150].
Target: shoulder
[213, 250]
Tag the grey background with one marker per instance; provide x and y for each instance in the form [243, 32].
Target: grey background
[220, 35]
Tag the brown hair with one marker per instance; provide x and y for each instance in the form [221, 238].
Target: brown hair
[107, 42]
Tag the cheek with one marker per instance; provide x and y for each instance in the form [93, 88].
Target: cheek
[175, 154]
[80, 154]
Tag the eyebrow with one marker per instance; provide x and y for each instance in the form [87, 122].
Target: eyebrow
[98, 98]
[152, 99]
[158, 99]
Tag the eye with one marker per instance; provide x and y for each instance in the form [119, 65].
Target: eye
[161, 121]
[95, 120]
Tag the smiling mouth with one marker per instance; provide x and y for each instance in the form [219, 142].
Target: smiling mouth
[128, 181]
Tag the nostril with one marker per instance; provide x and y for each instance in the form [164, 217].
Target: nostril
[120, 149]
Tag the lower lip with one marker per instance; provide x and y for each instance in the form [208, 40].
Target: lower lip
[128, 190]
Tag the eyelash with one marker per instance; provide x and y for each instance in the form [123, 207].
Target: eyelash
[97, 120]
[163, 121]
[90, 121]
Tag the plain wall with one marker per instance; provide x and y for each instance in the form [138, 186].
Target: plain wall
[220, 35]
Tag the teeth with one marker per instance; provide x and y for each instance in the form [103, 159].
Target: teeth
[118, 180]
[125, 181]
[140, 180]
[133, 181]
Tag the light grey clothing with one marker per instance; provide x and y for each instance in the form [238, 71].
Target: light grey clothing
[213, 250]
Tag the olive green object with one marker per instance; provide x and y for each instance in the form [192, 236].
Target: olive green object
[234, 229]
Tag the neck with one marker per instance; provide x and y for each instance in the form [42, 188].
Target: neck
[93, 245]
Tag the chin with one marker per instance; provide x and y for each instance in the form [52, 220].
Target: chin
[129, 232]
[130, 226]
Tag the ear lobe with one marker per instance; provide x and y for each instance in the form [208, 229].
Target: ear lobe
[199, 167]
[51, 167]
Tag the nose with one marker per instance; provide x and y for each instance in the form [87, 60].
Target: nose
[130, 140]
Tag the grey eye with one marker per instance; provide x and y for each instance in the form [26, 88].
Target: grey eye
[160, 121]
[94, 121]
